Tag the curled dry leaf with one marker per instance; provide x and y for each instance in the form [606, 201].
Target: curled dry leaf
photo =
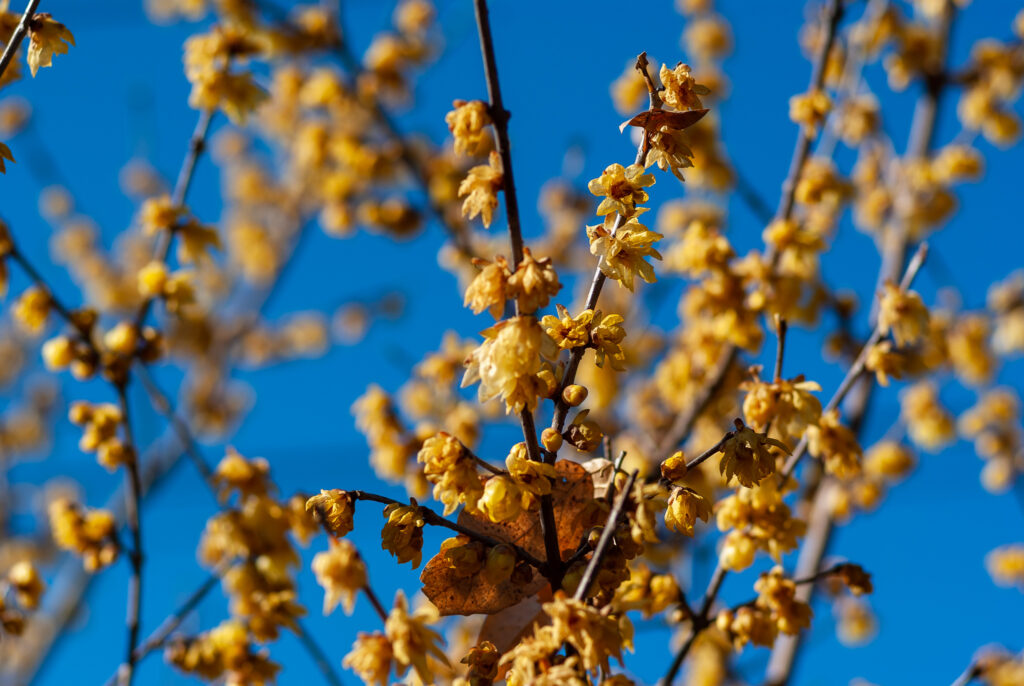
[653, 120]
[602, 472]
[575, 512]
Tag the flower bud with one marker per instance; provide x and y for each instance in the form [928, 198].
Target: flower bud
[551, 440]
[574, 395]
[58, 353]
[674, 468]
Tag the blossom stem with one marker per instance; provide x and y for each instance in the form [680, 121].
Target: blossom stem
[19, 35]
[431, 517]
[922, 131]
[605, 540]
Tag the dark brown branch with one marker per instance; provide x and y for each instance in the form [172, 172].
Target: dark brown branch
[590, 573]
[19, 35]
[500, 116]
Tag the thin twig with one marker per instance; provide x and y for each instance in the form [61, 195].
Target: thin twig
[698, 622]
[162, 404]
[162, 250]
[431, 517]
[158, 638]
[19, 34]
[684, 421]
[375, 601]
[320, 659]
[590, 573]
[780, 351]
[135, 554]
[858, 366]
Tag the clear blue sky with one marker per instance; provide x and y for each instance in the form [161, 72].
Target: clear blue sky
[121, 92]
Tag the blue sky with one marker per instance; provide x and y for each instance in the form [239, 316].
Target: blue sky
[121, 92]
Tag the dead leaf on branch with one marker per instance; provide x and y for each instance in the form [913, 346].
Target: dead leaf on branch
[572, 496]
[653, 120]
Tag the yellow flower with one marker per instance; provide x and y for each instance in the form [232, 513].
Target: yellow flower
[508, 362]
[334, 509]
[621, 255]
[341, 573]
[489, 288]
[903, 313]
[668, 150]
[402, 535]
[467, 122]
[746, 456]
[32, 309]
[1006, 565]
[412, 641]
[566, 331]
[27, 584]
[685, 506]
[533, 477]
[371, 658]
[970, 351]
[236, 473]
[502, 499]
[480, 188]
[777, 594]
[46, 38]
[885, 362]
[681, 91]
[622, 188]
[929, 424]
[597, 635]
[450, 467]
[89, 533]
[810, 110]
[888, 460]
[786, 404]
[836, 445]
[533, 283]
